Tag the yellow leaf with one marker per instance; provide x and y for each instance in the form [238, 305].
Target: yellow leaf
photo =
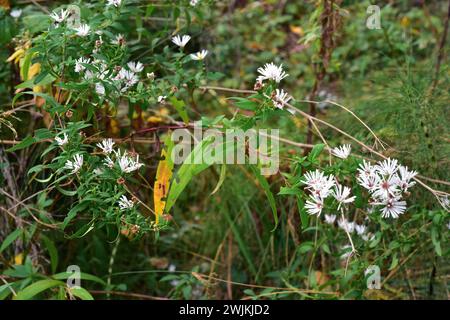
[115, 129]
[296, 29]
[34, 70]
[163, 112]
[162, 183]
[38, 89]
[16, 56]
[405, 22]
[18, 259]
[154, 119]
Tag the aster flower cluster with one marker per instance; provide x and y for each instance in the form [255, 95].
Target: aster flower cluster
[272, 72]
[81, 30]
[122, 161]
[122, 78]
[126, 162]
[386, 182]
[181, 41]
[321, 187]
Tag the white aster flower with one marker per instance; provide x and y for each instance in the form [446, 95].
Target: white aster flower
[100, 89]
[271, 72]
[366, 168]
[405, 178]
[126, 163]
[83, 30]
[346, 225]
[119, 40]
[88, 75]
[115, 3]
[16, 13]
[368, 236]
[341, 194]
[387, 167]
[319, 184]
[76, 164]
[181, 41]
[79, 64]
[172, 267]
[314, 205]
[370, 182]
[108, 162]
[135, 67]
[342, 152]
[330, 218]
[393, 208]
[106, 145]
[199, 55]
[125, 204]
[314, 178]
[62, 141]
[128, 77]
[281, 98]
[360, 229]
[386, 188]
[59, 17]
[193, 3]
[98, 171]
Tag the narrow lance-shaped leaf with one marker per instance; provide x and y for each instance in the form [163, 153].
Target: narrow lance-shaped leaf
[162, 181]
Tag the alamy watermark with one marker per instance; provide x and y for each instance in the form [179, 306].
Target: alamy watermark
[229, 146]
[374, 20]
[74, 280]
[373, 275]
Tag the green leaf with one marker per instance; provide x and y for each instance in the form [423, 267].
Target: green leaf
[304, 216]
[52, 251]
[81, 293]
[215, 75]
[436, 241]
[36, 288]
[249, 292]
[180, 106]
[315, 152]
[65, 192]
[245, 104]
[39, 135]
[265, 185]
[223, 172]
[44, 79]
[73, 212]
[305, 247]
[56, 107]
[26, 65]
[83, 276]
[186, 172]
[25, 143]
[10, 239]
[36, 169]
